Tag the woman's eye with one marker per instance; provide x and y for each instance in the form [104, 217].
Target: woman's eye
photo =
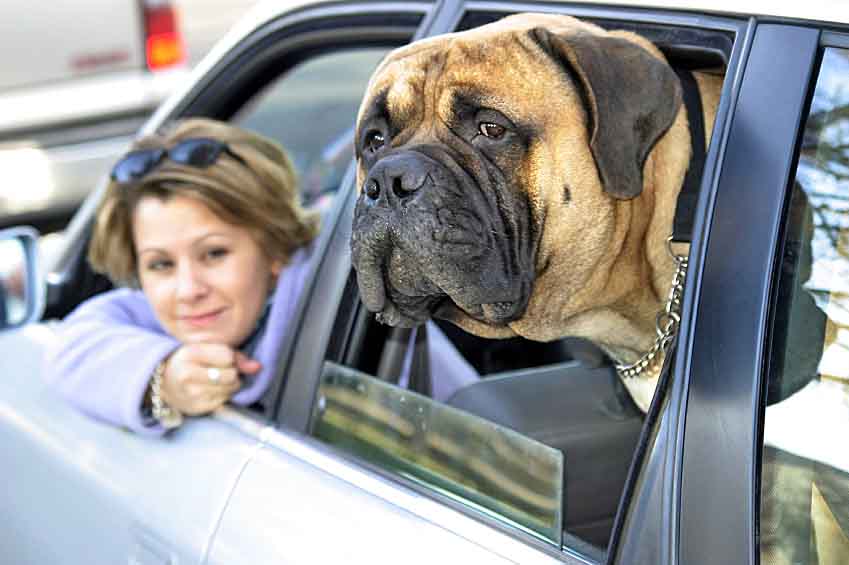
[159, 265]
[374, 141]
[491, 130]
[217, 253]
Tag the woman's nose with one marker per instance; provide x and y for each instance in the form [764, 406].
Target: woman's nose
[190, 282]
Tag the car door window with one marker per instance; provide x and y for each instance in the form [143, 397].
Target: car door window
[460, 437]
[310, 110]
[804, 515]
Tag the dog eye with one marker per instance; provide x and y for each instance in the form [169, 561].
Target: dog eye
[374, 140]
[491, 130]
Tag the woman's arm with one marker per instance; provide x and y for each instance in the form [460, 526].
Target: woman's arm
[107, 351]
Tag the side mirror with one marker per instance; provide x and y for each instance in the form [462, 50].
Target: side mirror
[21, 285]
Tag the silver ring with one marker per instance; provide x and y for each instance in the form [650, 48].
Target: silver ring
[213, 373]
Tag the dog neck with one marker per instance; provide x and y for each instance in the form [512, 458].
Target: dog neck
[617, 303]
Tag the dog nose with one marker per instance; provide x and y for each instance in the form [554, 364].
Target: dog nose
[396, 176]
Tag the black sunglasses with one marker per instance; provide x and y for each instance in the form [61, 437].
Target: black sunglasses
[200, 152]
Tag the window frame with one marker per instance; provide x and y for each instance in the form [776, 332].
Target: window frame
[335, 282]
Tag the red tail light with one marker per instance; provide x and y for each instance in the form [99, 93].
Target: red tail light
[163, 42]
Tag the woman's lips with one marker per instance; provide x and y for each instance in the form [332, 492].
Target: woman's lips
[202, 320]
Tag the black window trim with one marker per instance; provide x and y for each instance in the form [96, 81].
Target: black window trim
[836, 39]
[290, 40]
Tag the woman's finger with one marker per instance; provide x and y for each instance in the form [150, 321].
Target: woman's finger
[246, 365]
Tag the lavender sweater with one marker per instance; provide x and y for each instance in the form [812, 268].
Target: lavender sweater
[109, 346]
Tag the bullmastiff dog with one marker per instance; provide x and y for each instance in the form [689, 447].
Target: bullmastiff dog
[521, 179]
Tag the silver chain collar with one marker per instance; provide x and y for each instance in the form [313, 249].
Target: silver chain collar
[666, 323]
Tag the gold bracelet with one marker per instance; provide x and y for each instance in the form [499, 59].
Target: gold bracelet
[168, 417]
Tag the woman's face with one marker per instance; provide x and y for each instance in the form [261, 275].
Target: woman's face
[207, 280]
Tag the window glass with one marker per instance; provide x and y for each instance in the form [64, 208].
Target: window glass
[805, 465]
[311, 110]
[447, 449]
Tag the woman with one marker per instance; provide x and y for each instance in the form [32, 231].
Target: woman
[204, 220]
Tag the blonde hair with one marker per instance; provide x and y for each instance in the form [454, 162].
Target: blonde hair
[260, 193]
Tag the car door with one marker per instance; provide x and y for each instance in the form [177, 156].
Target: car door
[86, 492]
[431, 482]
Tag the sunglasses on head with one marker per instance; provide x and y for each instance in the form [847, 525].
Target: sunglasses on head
[200, 152]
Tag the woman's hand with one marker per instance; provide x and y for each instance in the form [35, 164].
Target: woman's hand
[200, 377]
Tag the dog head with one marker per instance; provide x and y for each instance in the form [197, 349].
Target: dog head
[501, 174]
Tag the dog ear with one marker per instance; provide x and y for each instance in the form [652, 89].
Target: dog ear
[632, 98]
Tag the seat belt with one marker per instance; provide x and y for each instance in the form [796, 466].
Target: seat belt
[685, 209]
[395, 353]
[420, 367]
[392, 359]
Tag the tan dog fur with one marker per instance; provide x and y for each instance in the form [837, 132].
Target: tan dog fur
[602, 268]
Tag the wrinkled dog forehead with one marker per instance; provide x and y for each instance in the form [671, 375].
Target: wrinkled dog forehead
[491, 61]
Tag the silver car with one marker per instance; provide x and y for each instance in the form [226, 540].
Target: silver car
[741, 458]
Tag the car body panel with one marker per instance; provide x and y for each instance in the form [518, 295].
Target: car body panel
[86, 492]
[355, 509]
[96, 48]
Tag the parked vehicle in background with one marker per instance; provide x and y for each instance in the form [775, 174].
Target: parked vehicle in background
[77, 81]
[204, 22]
[742, 458]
